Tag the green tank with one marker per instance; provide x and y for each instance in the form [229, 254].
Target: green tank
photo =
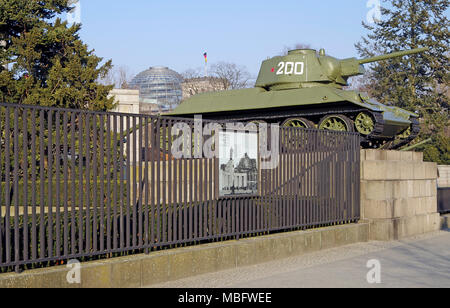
[306, 89]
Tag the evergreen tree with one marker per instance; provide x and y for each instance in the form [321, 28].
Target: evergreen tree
[46, 62]
[418, 82]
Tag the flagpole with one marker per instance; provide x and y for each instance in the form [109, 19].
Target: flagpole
[206, 64]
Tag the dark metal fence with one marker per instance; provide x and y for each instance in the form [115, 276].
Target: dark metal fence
[77, 184]
[443, 197]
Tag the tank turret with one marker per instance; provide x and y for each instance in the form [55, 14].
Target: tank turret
[306, 68]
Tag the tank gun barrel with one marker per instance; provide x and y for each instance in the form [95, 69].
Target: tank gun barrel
[412, 147]
[397, 54]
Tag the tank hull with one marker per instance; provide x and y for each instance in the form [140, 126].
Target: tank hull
[311, 104]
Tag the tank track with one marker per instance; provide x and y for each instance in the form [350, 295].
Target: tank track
[415, 130]
[375, 140]
[378, 129]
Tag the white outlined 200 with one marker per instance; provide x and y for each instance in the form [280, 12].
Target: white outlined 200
[289, 68]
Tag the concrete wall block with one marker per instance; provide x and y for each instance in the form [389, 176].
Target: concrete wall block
[430, 188]
[431, 171]
[413, 226]
[204, 261]
[377, 209]
[245, 253]
[406, 156]
[419, 189]
[282, 247]
[433, 222]
[402, 208]
[401, 189]
[312, 241]
[397, 170]
[419, 205]
[416, 225]
[406, 170]
[393, 155]
[37, 279]
[372, 155]
[377, 190]
[159, 267]
[126, 274]
[342, 237]
[298, 244]
[96, 275]
[352, 235]
[374, 170]
[411, 189]
[434, 188]
[381, 230]
[363, 232]
[226, 257]
[419, 171]
[362, 155]
[155, 269]
[181, 264]
[418, 156]
[444, 176]
[328, 239]
[431, 205]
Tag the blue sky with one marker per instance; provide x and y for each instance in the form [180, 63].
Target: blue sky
[176, 33]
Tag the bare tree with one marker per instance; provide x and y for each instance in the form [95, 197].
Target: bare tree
[119, 76]
[123, 77]
[191, 83]
[191, 73]
[230, 76]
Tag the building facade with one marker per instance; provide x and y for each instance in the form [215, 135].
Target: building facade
[194, 86]
[160, 85]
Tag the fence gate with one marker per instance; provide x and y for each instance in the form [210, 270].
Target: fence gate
[86, 184]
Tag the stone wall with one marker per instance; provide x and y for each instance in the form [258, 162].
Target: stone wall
[444, 176]
[398, 194]
[173, 264]
[127, 100]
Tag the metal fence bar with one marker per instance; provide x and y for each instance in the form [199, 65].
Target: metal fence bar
[76, 183]
[16, 185]
[25, 238]
[95, 167]
[34, 239]
[147, 183]
[102, 182]
[1, 196]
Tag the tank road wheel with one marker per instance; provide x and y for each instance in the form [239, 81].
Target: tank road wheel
[336, 122]
[406, 136]
[294, 139]
[406, 133]
[299, 123]
[364, 123]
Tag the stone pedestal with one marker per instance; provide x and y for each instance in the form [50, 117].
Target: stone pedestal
[398, 194]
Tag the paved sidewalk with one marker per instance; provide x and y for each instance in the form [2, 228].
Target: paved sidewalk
[422, 261]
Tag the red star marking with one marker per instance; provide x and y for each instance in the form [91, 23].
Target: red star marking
[273, 70]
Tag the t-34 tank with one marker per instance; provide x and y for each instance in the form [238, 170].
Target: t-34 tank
[306, 89]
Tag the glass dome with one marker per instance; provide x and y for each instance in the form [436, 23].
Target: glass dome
[161, 84]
